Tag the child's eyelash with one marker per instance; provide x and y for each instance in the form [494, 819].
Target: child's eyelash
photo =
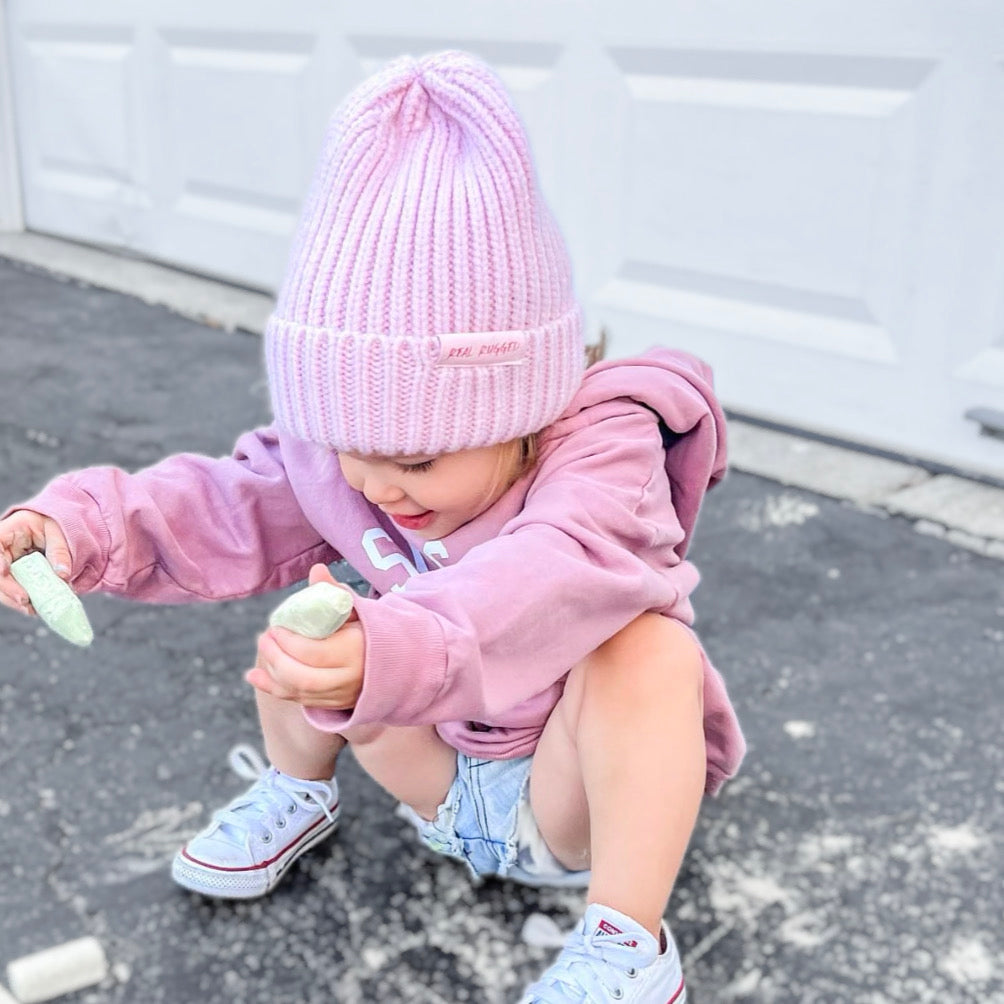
[423, 466]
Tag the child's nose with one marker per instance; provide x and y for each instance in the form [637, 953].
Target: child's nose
[381, 490]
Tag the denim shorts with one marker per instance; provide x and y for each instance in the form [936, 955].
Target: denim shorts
[487, 823]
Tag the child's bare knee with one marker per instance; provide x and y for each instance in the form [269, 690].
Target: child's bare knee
[651, 650]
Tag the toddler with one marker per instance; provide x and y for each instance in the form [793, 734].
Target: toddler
[523, 677]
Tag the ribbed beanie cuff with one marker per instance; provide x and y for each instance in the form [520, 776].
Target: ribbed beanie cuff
[422, 394]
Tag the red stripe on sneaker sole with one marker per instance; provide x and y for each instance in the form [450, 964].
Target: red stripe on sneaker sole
[679, 990]
[263, 864]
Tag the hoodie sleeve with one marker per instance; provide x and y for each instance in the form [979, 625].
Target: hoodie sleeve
[187, 528]
[592, 548]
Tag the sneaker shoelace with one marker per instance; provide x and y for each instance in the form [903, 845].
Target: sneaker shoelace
[266, 806]
[590, 967]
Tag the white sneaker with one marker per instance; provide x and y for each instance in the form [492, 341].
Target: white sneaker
[609, 957]
[250, 844]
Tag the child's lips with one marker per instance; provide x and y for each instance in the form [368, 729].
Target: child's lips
[416, 522]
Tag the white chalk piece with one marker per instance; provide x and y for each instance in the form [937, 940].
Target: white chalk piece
[5, 998]
[54, 601]
[315, 612]
[57, 971]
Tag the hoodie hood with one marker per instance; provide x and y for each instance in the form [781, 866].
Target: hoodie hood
[678, 387]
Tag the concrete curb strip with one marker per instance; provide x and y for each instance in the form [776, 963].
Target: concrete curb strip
[208, 301]
[968, 513]
[976, 509]
[829, 470]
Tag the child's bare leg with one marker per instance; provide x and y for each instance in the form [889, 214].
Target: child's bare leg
[619, 772]
[292, 744]
[412, 763]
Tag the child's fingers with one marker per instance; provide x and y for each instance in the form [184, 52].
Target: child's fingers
[285, 669]
[13, 595]
[56, 550]
[12, 546]
[20, 536]
[274, 682]
[260, 680]
[21, 533]
[320, 573]
[59, 558]
[319, 652]
[291, 679]
[26, 540]
[14, 543]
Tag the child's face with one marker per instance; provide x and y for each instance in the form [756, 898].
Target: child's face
[433, 495]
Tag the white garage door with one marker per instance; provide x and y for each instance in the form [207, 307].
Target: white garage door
[808, 195]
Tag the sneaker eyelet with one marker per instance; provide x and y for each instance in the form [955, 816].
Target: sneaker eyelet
[266, 838]
[291, 808]
[281, 823]
[632, 974]
[617, 994]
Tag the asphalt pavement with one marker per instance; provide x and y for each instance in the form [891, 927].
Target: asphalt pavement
[856, 858]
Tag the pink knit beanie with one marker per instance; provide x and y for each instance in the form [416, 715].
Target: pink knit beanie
[428, 305]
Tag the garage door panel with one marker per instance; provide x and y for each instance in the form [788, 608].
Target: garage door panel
[82, 142]
[786, 199]
[814, 82]
[230, 85]
[242, 87]
[754, 201]
[778, 317]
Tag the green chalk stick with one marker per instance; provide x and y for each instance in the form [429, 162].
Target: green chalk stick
[54, 601]
[315, 612]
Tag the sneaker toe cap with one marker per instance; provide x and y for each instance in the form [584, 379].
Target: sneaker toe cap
[216, 852]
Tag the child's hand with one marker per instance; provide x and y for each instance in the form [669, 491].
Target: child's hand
[21, 532]
[317, 673]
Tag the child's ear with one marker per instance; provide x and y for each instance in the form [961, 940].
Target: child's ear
[598, 349]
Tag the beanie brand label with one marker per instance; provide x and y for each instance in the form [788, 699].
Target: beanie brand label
[482, 348]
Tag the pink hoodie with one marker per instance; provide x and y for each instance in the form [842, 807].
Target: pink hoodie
[477, 629]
